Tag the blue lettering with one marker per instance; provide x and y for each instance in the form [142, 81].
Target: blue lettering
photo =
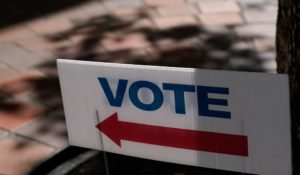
[157, 95]
[204, 101]
[179, 90]
[114, 101]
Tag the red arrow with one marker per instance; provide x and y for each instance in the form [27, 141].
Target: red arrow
[173, 137]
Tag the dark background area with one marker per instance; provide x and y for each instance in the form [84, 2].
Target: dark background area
[13, 11]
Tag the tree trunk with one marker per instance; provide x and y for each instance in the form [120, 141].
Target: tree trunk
[288, 62]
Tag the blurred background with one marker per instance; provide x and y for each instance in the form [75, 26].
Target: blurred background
[207, 34]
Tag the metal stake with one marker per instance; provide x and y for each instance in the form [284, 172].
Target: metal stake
[104, 153]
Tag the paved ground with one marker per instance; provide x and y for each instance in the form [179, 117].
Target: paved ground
[214, 34]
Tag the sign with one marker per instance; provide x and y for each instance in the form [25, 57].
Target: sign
[226, 120]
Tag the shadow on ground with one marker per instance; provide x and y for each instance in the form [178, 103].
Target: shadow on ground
[112, 39]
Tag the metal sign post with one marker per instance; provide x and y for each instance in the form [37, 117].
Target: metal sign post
[104, 153]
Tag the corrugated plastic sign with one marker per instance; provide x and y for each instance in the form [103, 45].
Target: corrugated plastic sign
[224, 120]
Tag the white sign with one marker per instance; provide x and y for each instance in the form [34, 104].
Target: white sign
[234, 121]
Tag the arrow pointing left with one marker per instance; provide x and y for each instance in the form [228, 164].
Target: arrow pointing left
[173, 137]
